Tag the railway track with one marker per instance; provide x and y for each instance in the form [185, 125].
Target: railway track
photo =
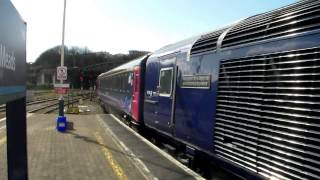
[3, 107]
[39, 101]
[44, 105]
[52, 107]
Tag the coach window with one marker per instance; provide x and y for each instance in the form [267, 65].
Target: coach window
[124, 87]
[127, 82]
[165, 82]
[120, 83]
[117, 81]
[112, 84]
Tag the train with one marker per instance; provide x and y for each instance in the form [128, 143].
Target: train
[246, 96]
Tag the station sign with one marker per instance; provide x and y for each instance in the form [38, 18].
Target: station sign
[62, 73]
[12, 53]
[62, 88]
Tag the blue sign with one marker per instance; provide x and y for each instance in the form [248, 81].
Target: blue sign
[12, 53]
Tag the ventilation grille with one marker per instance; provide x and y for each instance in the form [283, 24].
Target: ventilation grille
[268, 114]
[298, 18]
[207, 42]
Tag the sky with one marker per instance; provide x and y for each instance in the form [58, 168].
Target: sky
[117, 26]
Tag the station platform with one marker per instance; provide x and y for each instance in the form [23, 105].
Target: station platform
[98, 147]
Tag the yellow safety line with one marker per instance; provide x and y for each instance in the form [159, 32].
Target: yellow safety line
[3, 140]
[113, 163]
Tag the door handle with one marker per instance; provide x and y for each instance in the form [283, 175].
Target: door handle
[151, 101]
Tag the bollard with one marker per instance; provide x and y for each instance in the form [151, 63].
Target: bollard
[61, 124]
[61, 107]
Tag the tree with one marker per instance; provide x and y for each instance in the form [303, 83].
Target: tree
[77, 59]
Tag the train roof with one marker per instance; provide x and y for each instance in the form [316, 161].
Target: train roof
[211, 41]
[183, 45]
[187, 44]
[124, 67]
[204, 42]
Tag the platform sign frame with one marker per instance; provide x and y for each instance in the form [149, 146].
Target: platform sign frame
[13, 88]
[12, 53]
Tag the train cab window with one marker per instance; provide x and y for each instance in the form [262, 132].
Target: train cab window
[165, 81]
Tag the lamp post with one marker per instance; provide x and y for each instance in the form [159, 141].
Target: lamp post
[62, 120]
[61, 101]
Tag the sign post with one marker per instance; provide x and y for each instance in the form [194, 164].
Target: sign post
[13, 88]
[62, 75]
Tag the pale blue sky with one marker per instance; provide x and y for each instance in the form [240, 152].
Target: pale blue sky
[117, 26]
[187, 17]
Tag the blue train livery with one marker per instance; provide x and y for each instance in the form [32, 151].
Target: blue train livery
[246, 95]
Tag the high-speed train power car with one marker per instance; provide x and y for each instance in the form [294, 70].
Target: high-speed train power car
[246, 95]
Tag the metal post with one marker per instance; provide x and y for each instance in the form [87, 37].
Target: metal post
[17, 140]
[61, 101]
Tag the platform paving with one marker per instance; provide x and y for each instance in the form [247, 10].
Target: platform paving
[158, 164]
[98, 147]
[86, 152]
[3, 152]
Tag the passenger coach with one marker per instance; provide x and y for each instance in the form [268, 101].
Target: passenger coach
[247, 95]
[121, 90]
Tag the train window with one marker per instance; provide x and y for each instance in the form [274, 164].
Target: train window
[136, 83]
[120, 83]
[107, 83]
[117, 81]
[129, 81]
[165, 81]
[112, 83]
[123, 82]
[126, 82]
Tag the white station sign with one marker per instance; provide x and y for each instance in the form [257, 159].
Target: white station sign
[62, 73]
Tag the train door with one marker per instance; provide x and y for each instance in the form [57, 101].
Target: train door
[151, 98]
[166, 94]
[136, 94]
